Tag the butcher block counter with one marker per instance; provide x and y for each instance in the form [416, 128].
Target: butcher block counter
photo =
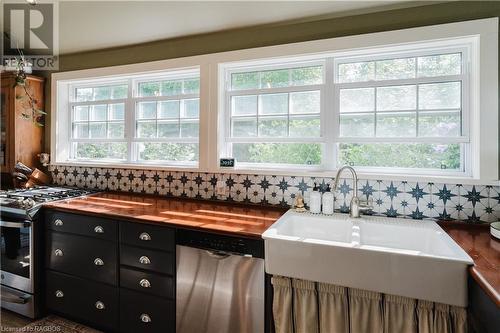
[217, 217]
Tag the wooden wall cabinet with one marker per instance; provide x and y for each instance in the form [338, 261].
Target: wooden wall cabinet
[21, 139]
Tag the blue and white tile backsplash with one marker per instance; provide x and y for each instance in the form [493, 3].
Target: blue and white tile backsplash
[468, 203]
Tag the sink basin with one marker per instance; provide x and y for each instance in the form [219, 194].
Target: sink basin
[395, 256]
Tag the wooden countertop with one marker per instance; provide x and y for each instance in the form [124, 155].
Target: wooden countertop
[484, 250]
[225, 218]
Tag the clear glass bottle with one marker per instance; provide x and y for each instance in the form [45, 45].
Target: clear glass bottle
[327, 202]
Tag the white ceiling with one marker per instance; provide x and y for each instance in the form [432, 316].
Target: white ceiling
[88, 25]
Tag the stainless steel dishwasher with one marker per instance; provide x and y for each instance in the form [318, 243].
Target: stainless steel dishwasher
[220, 284]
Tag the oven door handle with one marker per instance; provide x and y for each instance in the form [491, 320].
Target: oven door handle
[12, 224]
[11, 298]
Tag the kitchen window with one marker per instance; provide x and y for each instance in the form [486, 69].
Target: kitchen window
[137, 119]
[273, 114]
[386, 110]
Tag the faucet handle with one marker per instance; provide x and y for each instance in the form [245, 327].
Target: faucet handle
[366, 205]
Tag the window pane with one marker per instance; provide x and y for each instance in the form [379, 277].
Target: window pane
[149, 89]
[116, 130]
[119, 92]
[116, 111]
[357, 125]
[101, 93]
[274, 79]
[241, 81]
[305, 102]
[168, 129]
[303, 127]
[356, 72]
[400, 124]
[244, 105]
[273, 103]
[182, 152]
[244, 127]
[439, 123]
[444, 64]
[81, 113]
[97, 130]
[307, 75]
[191, 108]
[98, 112]
[190, 129]
[169, 109]
[170, 88]
[84, 94]
[273, 127]
[394, 69]
[81, 131]
[192, 86]
[146, 129]
[147, 110]
[396, 98]
[397, 155]
[439, 96]
[115, 150]
[357, 100]
[278, 153]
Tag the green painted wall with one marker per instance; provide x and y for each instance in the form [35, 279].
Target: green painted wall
[273, 34]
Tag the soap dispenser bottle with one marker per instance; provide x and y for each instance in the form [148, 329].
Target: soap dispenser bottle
[315, 200]
[327, 202]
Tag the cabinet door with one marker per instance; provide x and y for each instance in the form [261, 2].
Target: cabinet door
[4, 127]
[83, 256]
[94, 303]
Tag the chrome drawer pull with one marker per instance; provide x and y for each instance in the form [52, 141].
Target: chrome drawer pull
[59, 294]
[58, 253]
[100, 305]
[144, 236]
[99, 230]
[98, 262]
[144, 260]
[145, 283]
[145, 318]
[58, 223]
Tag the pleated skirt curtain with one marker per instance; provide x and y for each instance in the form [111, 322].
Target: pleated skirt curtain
[301, 306]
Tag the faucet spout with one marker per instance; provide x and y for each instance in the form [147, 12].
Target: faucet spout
[355, 207]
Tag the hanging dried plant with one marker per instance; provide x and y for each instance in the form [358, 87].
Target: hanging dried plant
[32, 112]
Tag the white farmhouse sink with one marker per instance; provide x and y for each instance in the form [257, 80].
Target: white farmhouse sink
[395, 256]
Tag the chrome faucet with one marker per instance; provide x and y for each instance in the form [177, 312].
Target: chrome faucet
[356, 207]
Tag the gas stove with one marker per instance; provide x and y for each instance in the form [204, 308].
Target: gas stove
[27, 202]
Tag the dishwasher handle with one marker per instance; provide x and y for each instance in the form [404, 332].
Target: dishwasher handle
[217, 254]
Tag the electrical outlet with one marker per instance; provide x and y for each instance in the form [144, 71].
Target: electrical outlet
[221, 188]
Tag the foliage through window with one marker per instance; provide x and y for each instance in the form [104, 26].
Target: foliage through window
[138, 119]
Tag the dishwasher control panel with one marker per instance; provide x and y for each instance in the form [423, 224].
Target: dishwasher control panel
[209, 241]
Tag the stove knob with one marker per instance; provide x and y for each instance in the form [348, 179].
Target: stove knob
[99, 230]
[58, 253]
[58, 223]
[59, 294]
[100, 305]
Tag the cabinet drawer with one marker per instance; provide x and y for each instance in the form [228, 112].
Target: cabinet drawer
[92, 302]
[150, 283]
[82, 225]
[158, 261]
[150, 236]
[148, 314]
[82, 256]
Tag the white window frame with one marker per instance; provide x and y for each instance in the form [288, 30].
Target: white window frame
[131, 101]
[483, 104]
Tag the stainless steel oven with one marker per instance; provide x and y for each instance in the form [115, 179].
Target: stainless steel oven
[18, 265]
